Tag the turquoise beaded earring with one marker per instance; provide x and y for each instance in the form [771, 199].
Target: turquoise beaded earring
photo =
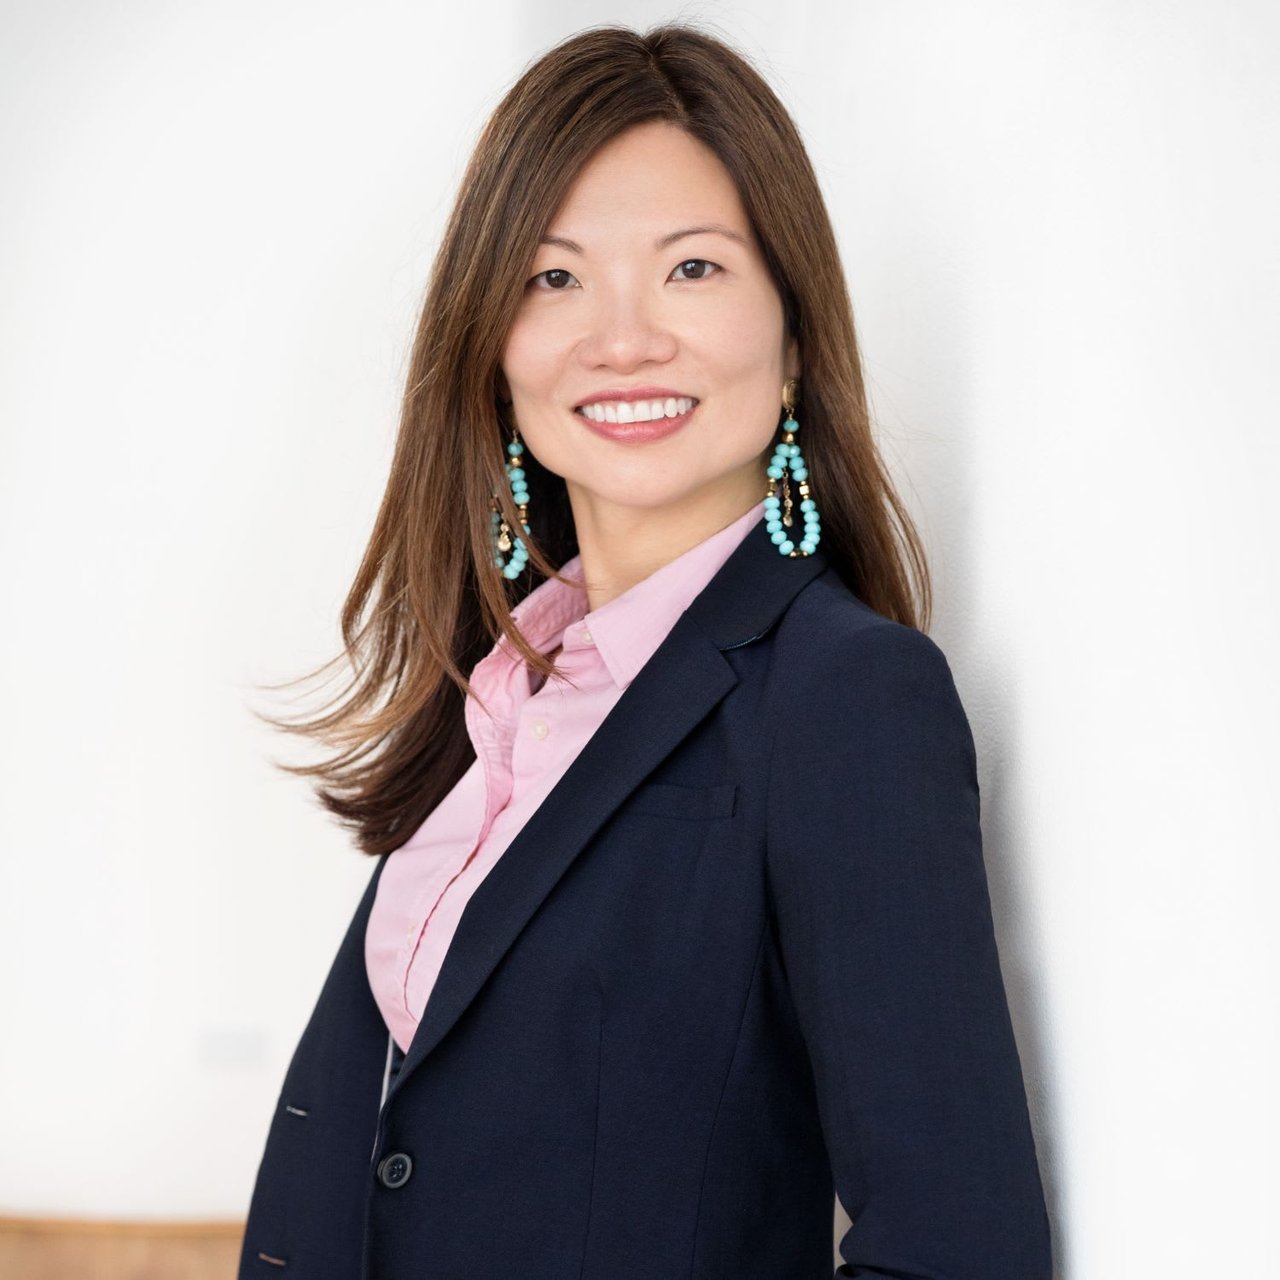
[777, 511]
[502, 538]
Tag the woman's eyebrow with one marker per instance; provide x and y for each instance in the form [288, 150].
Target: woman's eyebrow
[715, 228]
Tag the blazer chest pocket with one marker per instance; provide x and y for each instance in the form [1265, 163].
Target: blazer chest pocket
[670, 800]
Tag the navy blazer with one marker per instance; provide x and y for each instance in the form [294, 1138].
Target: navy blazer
[741, 957]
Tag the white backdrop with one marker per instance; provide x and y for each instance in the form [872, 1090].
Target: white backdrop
[1059, 229]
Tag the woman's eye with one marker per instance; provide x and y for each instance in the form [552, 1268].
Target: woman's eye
[556, 284]
[697, 262]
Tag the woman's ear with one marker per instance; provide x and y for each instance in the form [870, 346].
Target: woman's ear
[792, 362]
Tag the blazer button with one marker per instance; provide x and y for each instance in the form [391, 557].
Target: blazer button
[394, 1171]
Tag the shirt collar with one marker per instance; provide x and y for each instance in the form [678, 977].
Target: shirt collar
[628, 629]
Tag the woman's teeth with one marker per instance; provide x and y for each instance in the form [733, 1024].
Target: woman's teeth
[636, 410]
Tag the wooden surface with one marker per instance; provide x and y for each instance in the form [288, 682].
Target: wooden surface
[80, 1249]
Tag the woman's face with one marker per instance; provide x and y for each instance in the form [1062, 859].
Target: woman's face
[629, 298]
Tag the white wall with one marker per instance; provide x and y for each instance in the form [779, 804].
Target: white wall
[217, 225]
[1058, 222]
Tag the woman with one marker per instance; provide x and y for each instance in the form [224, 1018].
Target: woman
[679, 920]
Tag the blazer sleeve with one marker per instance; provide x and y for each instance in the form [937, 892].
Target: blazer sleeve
[885, 931]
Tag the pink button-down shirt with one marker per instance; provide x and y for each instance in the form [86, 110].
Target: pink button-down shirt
[523, 747]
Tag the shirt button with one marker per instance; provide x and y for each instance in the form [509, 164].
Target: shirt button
[586, 635]
[540, 728]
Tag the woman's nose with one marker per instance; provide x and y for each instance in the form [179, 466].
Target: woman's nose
[628, 329]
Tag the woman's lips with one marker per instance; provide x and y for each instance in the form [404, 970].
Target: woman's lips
[637, 432]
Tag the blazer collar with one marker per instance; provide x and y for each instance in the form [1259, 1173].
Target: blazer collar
[676, 689]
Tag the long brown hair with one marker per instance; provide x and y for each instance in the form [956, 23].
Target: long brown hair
[434, 600]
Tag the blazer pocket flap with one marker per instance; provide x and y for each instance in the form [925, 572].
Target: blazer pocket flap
[670, 800]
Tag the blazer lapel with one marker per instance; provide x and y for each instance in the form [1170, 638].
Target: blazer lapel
[677, 688]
